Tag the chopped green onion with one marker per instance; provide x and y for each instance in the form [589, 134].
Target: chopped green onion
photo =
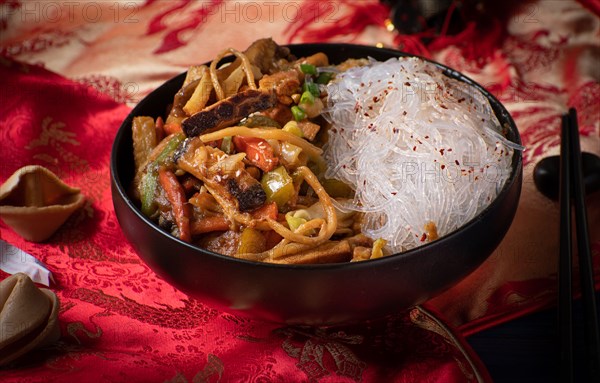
[227, 145]
[292, 127]
[324, 78]
[298, 113]
[308, 69]
[311, 87]
[307, 98]
[294, 222]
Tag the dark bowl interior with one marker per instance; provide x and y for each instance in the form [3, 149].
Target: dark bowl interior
[312, 294]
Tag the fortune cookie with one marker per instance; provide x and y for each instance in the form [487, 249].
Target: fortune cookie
[34, 202]
[28, 317]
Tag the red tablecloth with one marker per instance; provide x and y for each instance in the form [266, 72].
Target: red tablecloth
[120, 322]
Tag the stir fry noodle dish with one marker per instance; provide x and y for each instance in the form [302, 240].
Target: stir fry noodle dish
[269, 157]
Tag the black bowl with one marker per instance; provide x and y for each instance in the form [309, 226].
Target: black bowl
[312, 294]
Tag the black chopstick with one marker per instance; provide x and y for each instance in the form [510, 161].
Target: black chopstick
[571, 170]
[565, 293]
[586, 272]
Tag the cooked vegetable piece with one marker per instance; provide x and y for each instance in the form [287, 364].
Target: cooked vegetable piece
[294, 222]
[308, 69]
[278, 186]
[147, 186]
[252, 241]
[298, 113]
[144, 139]
[324, 78]
[209, 224]
[176, 196]
[227, 145]
[201, 94]
[149, 179]
[173, 127]
[292, 127]
[260, 121]
[311, 87]
[307, 98]
[290, 154]
[268, 210]
[258, 152]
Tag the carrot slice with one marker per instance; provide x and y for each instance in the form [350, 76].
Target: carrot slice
[176, 196]
[258, 152]
[209, 224]
[268, 210]
[172, 127]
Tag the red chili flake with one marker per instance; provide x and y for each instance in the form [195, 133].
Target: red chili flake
[419, 141]
[362, 84]
[443, 106]
[414, 148]
[366, 114]
[423, 237]
[442, 152]
[404, 113]
[394, 193]
[450, 149]
[443, 167]
[476, 178]
[407, 83]
[426, 137]
[461, 100]
[395, 130]
[375, 99]
[457, 163]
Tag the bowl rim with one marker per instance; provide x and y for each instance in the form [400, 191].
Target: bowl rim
[516, 168]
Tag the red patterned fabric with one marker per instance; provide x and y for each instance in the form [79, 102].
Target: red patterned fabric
[120, 322]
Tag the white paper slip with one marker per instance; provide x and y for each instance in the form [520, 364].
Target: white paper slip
[14, 260]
